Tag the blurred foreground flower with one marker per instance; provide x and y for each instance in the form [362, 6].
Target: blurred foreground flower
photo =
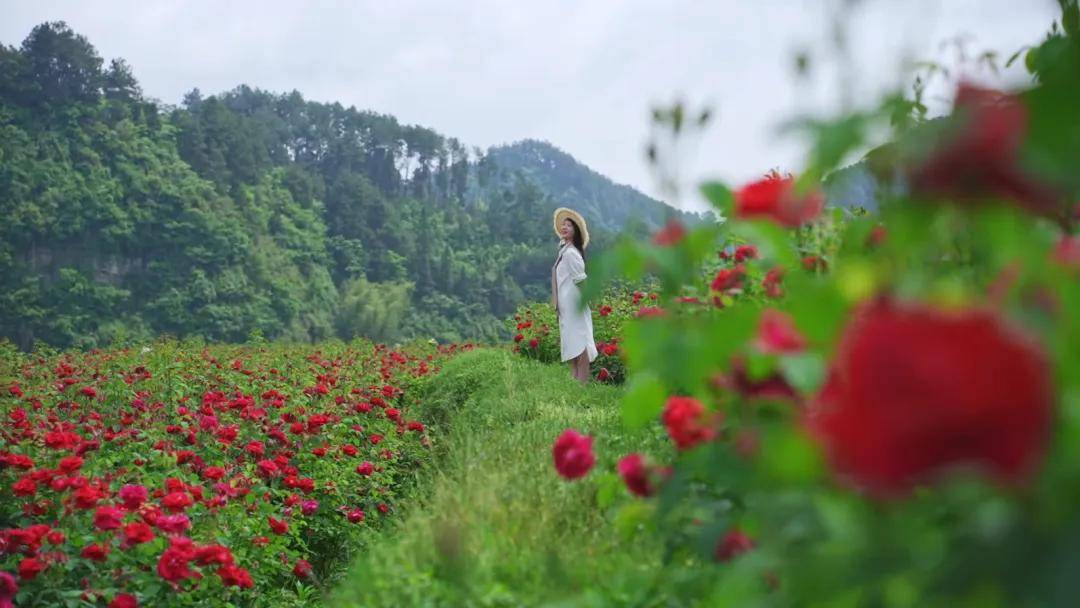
[914, 390]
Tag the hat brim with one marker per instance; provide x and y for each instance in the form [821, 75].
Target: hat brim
[563, 213]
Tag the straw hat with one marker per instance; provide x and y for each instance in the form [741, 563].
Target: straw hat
[563, 213]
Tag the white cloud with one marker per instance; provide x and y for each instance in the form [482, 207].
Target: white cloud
[582, 75]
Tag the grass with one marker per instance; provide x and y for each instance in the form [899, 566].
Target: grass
[493, 524]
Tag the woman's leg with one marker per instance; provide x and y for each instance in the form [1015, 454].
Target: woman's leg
[582, 372]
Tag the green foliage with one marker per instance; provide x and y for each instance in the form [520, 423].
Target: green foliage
[253, 212]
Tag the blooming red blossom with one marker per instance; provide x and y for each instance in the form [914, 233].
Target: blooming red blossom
[732, 545]
[745, 252]
[235, 576]
[671, 234]
[278, 526]
[138, 532]
[687, 422]
[355, 516]
[980, 158]
[108, 518]
[534, 343]
[605, 310]
[573, 454]
[635, 474]
[124, 600]
[86, 497]
[302, 569]
[1067, 252]
[29, 568]
[176, 502]
[603, 375]
[775, 198]
[133, 495]
[173, 564]
[24, 487]
[96, 552]
[8, 589]
[914, 390]
[365, 468]
[777, 334]
[729, 278]
[773, 283]
[814, 263]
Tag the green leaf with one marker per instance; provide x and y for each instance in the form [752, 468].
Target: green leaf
[805, 372]
[643, 400]
[720, 196]
[609, 487]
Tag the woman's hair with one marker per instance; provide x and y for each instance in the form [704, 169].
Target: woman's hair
[579, 242]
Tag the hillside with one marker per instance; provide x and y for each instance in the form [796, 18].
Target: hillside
[256, 213]
[560, 175]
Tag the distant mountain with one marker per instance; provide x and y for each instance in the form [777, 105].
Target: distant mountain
[605, 204]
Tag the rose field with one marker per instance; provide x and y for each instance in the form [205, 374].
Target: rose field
[803, 403]
[185, 475]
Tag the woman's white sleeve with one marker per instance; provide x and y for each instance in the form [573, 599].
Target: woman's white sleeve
[576, 265]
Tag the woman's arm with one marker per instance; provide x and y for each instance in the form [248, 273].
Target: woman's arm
[576, 265]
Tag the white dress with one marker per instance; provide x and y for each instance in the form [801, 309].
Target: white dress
[575, 326]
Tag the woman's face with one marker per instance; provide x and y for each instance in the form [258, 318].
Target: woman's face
[567, 231]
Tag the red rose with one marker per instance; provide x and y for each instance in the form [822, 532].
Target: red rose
[70, 464]
[519, 338]
[255, 448]
[1067, 252]
[605, 310]
[603, 375]
[235, 576]
[773, 387]
[173, 524]
[138, 532]
[635, 474]
[365, 468]
[773, 283]
[213, 473]
[108, 518]
[173, 564]
[29, 568]
[671, 234]
[278, 526]
[96, 552]
[732, 545]
[56, 537]
[573, 454]
[775, 198]
[814, 263]
[302, 569]
[24, 487]
[980, 158]
[777, 334]
[684, 418]
[176, 502]
[745, 252]
[729, 278]
[649, 312]
[8, 589]
[88, 391]
[534, 343]
[87, 497]
[124, 600]
[913, 390]
[133, 496]
[355, 516]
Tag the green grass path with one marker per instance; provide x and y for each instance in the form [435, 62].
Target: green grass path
[492, 524]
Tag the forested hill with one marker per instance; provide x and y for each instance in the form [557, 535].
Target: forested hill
[560, 175]
[257, 213]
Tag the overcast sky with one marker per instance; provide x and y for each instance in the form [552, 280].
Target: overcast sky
[581, 74]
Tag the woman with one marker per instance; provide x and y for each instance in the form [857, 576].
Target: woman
[575, 324]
